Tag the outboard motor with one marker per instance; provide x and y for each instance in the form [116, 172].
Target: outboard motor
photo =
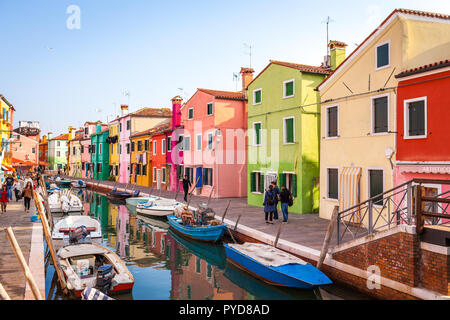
[105, 275]
[136, 193]
[205, 214]
[80, 233]
[80, 183]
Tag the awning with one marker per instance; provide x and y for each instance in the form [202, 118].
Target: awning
[349, 188]
[43, 163]
[7, 168]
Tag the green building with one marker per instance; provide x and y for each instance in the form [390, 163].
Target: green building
[99, 151]
[284, 132]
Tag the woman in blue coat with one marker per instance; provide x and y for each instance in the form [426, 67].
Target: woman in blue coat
[269, 203]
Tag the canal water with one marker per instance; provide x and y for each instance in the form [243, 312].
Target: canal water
[167, 266]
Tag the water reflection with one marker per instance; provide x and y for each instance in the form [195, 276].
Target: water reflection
[168, 266]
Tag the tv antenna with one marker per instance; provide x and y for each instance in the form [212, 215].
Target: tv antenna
[249, 47]
[328, 20]
[236, 79]
[126, 93]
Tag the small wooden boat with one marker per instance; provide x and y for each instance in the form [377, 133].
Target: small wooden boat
[208, 233]
[63, 227]
[64, 183]
[80, 264]
[154, 222]
[78, 184]
[118, 195]
[134, 201]
[159, 207]
[275, 266]
[64, 201]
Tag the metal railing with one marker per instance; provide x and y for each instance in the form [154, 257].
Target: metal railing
[392, 208]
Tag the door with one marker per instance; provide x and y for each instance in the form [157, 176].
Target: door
[158, 179]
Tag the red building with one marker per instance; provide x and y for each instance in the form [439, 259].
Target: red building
[160, 168]
[423, 116]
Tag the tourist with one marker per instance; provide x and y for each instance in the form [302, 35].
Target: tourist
[4, 197]
[9, 184]
[186, 185]
[17, 189]
[28, 179]
[286, 201]
[27, 194]
[277, 197]
[269, 204]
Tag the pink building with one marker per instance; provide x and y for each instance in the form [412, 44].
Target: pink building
[89, 129]
[130, 124]
[24, 152]
[215, 126]
[174, 154]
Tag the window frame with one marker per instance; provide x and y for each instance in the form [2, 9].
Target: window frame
[389, 55]
[254, 134]
[212, 109]
[285, 132]
[188, 117]
[155, 145]
[258, 174]
[207, 141]
[284, 88]
[198, 146]
[368, 169]
[184, 143]
[163, 175]
[328, 185]
[154, 174]
[372, 114]
[163, 146]
[254, 96]
[327, 122]
[406, 103]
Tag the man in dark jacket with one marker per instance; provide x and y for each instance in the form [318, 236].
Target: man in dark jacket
[186, 185]
[277, 196]
[9, 183]
[284, 199]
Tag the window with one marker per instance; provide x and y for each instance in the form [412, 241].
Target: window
[269, 178]
[289, 180]
[190, 174]
[94, 148]
[138, 169]
[333, 184]
[415, 118]
[288, 130]
[380, 115]
[257, 96]
[58, 143]
[132, 146]
[169, 143]
[154, 147]
[187, 143]
[74, 150]
[180, 142]
[58, 153]
[180, 172]
[207, 176]
[209, 141]
[154, 174]
[112, 149]
[120, 151]
[128, 148]
[382, 55]
[100, 148]
[139, 145]
[146, 145]
[120, 127]
[209, 109]
[332, 122]
[99, 167]
[163, 175]
[190, 113]
[256, 182]
[256, 133]
[163, 146]
[288, 88]
[128, 124]
[376, 185]
[86, 131]
[199, 142]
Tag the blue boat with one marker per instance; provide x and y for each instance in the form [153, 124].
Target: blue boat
[275, 266]
[206, 233]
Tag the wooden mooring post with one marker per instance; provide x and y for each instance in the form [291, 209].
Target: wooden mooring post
[326, 241]
[192, 190]
[226, 210]
[48, 239]
[210, 194]
[26, 270]
[278, 235]
[3, 294]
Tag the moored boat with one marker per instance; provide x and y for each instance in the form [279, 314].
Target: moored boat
[208, 233]
[64, 201]
[87, 265]
[275, 266]
[121, 195]
[158, 207]
[134, 201]
[63, 227]
[78, 184]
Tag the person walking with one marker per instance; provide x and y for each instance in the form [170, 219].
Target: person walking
[27, 194]
[186, 185]
[269, 204]
[9, 186]
[277, 197]
[286, 201]
[17, 189]
[4, 197]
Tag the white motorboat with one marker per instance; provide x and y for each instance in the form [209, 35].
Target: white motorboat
[78, 184]
[159, 207]
[64, 201]
[64, 226]
[85, 265]
[139, 200]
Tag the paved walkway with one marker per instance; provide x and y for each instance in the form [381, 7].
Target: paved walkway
[11, 274]
[306, 229]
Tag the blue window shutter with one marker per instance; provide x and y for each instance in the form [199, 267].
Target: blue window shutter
[197, 176]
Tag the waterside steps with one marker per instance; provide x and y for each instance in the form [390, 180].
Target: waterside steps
[399, 241]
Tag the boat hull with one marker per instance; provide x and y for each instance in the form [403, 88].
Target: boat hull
[206, 234]
[154, 212]
[279, 276]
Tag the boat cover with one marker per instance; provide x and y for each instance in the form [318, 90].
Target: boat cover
[79, 250]
[267, 255]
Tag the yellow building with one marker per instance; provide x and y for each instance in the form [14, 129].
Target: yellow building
[6, 127]
[358, 110]
[114, 151]
[141, 158]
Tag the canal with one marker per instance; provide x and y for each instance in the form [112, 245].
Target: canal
[167, 266]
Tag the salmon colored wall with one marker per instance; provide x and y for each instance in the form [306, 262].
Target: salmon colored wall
[159, 159]
[435, 146]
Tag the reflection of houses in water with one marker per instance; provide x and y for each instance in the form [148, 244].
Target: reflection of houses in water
[123, 227]
[112, 221]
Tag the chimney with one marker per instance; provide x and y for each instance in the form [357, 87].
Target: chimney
[337, 53]
[50, 135]
[176, 112]
[247, 77]
[71, 133]
[124, 109]
[44, 139]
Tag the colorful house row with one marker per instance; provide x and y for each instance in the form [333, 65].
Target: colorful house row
[6, 126]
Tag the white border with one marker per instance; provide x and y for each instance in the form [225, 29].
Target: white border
[155, 146]
[284, 89]
[163, 146]
[198, 147]
[327, 189]
[372, 115]
[184, 143]
[284, 130]
[368, 182]
[406, 136]
[254, 91]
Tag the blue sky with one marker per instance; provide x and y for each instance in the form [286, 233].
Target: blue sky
[152, 48]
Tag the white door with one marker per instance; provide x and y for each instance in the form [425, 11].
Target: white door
[158, 179]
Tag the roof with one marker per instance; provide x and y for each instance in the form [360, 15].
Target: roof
[396, 11]
[301, 67]
[78, 136]
[425, 68]
[161, 128]
[61, 137]
[91, 122]
[229, 95]
[150, 112]
[7, 102]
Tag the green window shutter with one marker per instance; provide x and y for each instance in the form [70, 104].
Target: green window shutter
[258, 96]
[289, 124]
[253, 182]
[261, 183]
[282, 181]
[294, 185]
[289, 88]
[258, 133]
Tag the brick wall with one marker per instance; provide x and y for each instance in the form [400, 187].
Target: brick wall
[436, 272]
